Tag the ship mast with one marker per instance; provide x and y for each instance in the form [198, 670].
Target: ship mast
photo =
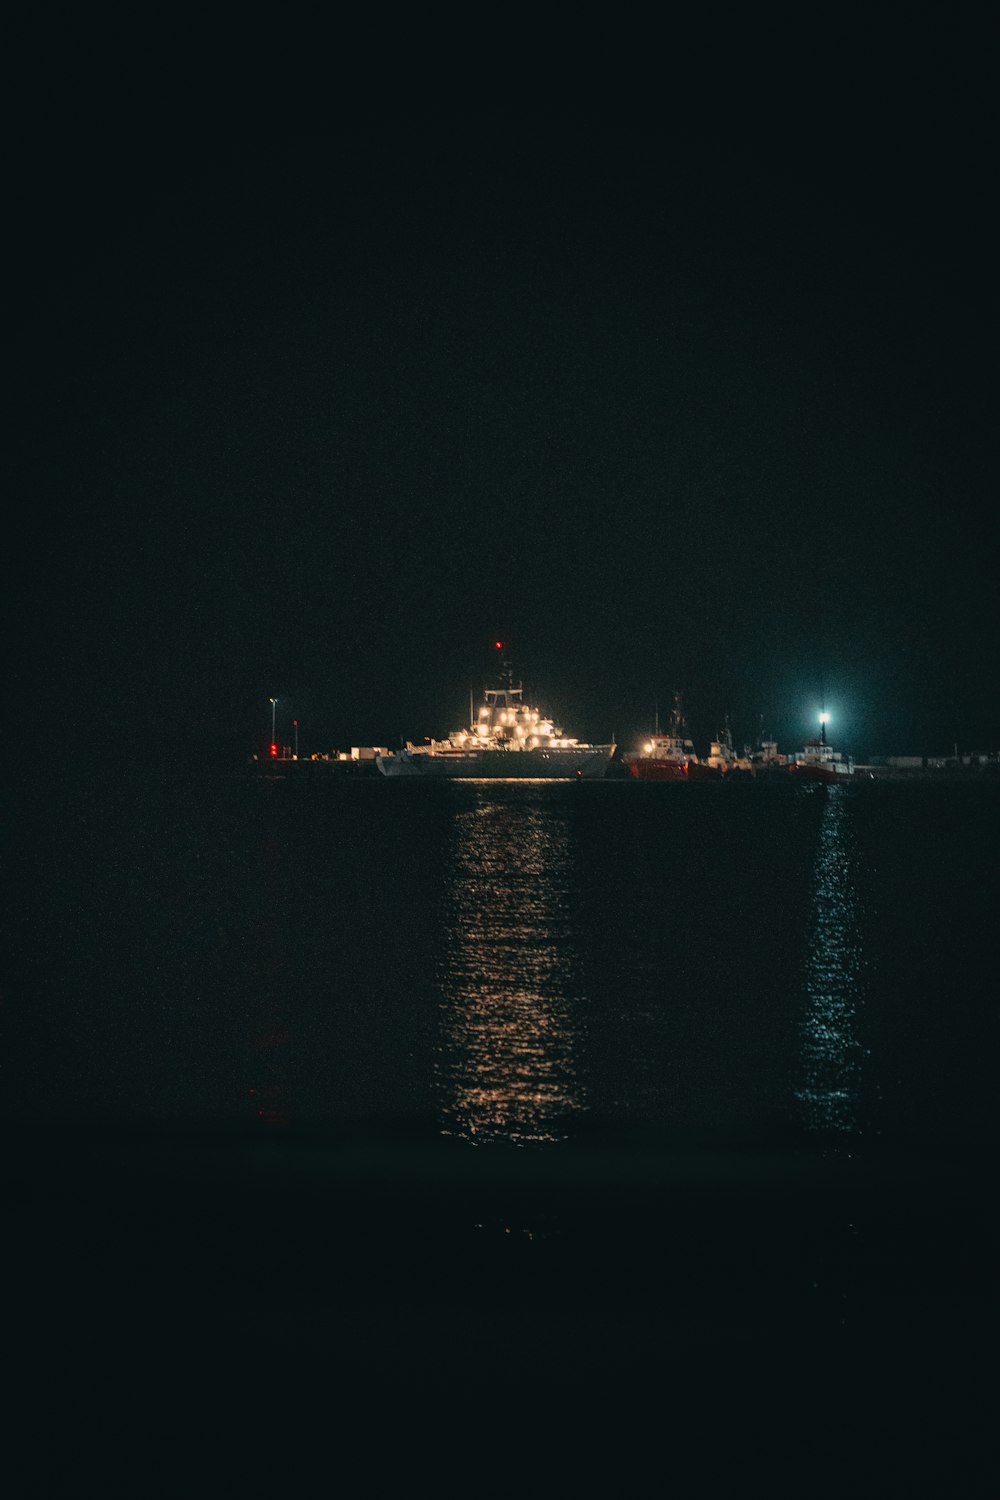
[505, 695]
[506, 675]
[677, 725]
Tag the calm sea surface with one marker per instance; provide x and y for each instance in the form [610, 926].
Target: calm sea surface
[644, 1119]
[526, 963]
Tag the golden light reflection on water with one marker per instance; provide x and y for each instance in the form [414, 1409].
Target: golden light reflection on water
[830, 1054]
[507, 1066]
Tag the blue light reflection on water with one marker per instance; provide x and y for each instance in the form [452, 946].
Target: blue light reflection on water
[830, 1052]
[507, 1066]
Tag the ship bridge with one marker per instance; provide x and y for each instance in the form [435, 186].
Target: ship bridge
[508, 696]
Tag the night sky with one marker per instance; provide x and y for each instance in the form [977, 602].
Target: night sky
[667, 358]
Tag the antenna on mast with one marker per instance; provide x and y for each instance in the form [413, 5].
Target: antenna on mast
[506, 675]
[677, 722]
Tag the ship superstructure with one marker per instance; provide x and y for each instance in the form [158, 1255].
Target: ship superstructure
[721, 754]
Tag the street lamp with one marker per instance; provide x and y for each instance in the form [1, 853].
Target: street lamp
[824, 720]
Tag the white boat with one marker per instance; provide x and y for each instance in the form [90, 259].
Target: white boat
[720, 759]
[507, 739]
[722, 756]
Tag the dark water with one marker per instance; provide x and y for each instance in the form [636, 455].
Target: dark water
[512, 963]
[532, 1089]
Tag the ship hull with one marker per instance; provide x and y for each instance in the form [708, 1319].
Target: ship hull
[699, 770]
[501, 765]
[647, 768]
[822, 773]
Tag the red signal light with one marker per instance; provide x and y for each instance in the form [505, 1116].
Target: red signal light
[498, 645]
[274, 752]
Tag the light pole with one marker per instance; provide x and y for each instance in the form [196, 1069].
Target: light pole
[274, 743]
[824, 719]
[295, 726]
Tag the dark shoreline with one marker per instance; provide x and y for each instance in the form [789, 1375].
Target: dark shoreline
[278, 770]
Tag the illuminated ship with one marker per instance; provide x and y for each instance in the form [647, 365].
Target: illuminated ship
[665, 757]
[817, 761]
[507, 739]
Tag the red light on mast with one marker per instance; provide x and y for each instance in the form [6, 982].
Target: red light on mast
[498, 645]
[274, 752]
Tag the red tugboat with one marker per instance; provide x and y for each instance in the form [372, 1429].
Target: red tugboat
[817, 761]
[665, 757]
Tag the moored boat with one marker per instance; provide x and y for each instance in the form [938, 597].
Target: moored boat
[818, 761]
[764, 759]
[665, 757]
[721, 758]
